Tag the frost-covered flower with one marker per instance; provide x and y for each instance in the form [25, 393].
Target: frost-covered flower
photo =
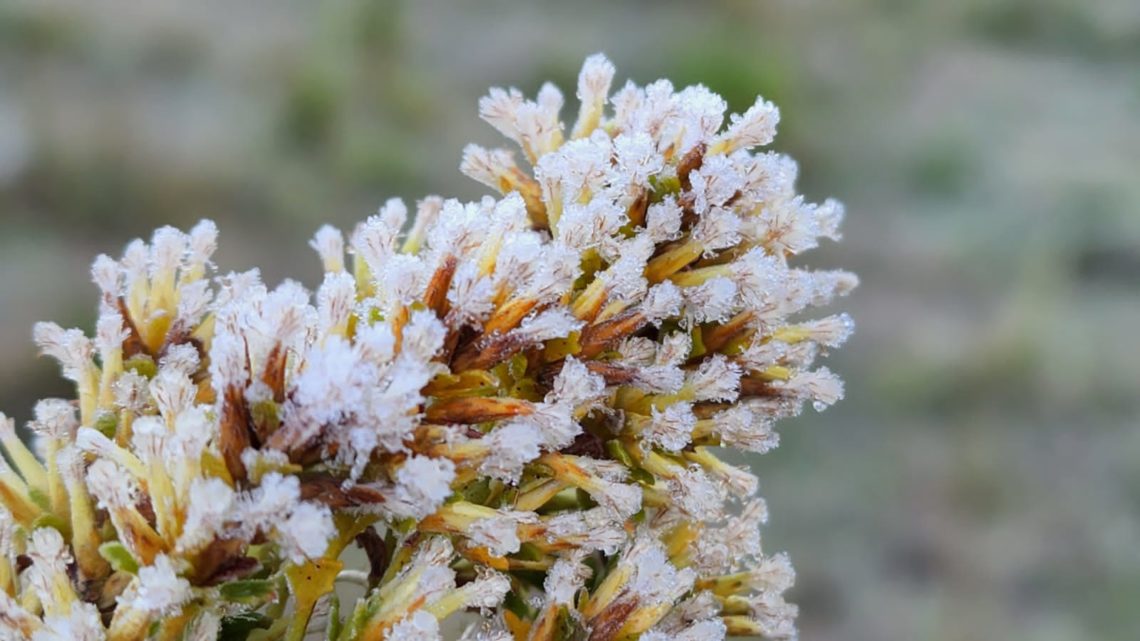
[529, 386]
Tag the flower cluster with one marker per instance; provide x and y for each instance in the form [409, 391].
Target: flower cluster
[511, 406]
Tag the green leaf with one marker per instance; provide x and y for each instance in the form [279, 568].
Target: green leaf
[358, 620]
[566, 628]
[107, 423]
[141, 364]
[584, 499]
[529, 552]
[476, 492]
[238, 626]
[520, 607]
[334, 626]
[662, 187]
[642, 476]
[119, 557]
[617, 452]
[698, 337]
[597, 574]
[404, 526]
[52, 521]
[40, 499]
[247, 591]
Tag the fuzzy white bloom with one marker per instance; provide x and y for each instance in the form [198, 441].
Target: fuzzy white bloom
[547, 325]
[228, 362]
[672, 428]
[173, 392]
[624, 279]
[55, 418]
[307, 531]
[565, 578]
[697, 494]
[712, 301]
[110, 333]
[182, 358]
[673, 349]
[775, 617]
[637, 157]
[423, 337]
[621, 499]
[758, 276]
[328, 242]
[700, 115]
[375, 239]
[335, 301]
[193, 302]
[595, 529]
[774, 574]
[148, 440]
[136, 258]
[659, 379]
[211, 502]
[422, 485]
[418, 626]
[727, 548]
[266, 505]
[754, 128]
[533, 125]
[236, 287]
[500, 533]
[589, 226]
[821, 387]
[106, 480]
[167, 249]
[402, 279]
[707, 630]
[80, 623]
[575, 385]
[159, 590]
[486, 591]
[740, 426]
[107, 276]
[486, 630]
[326, 389]
[70, 347]
[201, 245]
[488, 166]
[637, 350]
[662, 301]
[717, 378]
[593, 89]
[471, 295]
[830, 331]
[50, 557]
[718, 228]
[655, 579]
[511, 446]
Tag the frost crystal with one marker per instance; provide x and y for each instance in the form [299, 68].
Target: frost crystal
[526, 386]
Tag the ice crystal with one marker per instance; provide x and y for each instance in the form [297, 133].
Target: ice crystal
[510, 405]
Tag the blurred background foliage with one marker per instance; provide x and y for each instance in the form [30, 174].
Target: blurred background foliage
[982, 480]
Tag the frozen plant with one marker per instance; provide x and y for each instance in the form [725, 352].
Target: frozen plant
[512, 406]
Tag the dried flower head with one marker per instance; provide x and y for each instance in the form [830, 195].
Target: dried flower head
[509, 407]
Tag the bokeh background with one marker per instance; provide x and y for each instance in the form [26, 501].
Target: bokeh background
[982, 479]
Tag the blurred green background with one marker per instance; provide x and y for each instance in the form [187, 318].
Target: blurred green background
[982, 479]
